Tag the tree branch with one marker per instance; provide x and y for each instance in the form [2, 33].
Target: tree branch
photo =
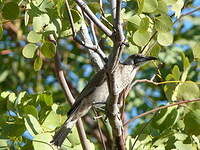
[92, 16]
[159, 108]
[68, 94]
[95, 56]
[87, 43]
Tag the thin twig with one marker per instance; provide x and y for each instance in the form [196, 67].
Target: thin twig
[92, 16]
[71, 20]
[187, 14]
[99, 128]
[98, 50]
[159, 108]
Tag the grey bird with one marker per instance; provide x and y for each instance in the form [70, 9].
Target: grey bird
[96, 91]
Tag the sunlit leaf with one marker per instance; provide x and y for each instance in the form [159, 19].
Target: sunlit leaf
[163, 23]
[141, 38]
[34, 37]
[38, 63]
[150, 6]
[43, 141]
[165, 38]
[40, 22]
[177, 7]
[29, 50]
[196, 51]
[32, 125]
[181, 91]
[48, 49]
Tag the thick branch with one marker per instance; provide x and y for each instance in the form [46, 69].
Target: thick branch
[159, 108]
[92, 16]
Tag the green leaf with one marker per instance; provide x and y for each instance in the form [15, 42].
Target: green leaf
[163, 23]
[141, 38]
[94, 6]
[3, 106]
[155, 50]
[34, 37]
[11, 101]
[26, 18]
[5, 94]
[40, 22]
[140, 5]
[32, 125]
[176, 72]
[165, 38]
[192, 122]
[150, 6]
[144, 24]
[44, 5]
[48, 49]
[47, 98]
[1, 31]
[12, 130]
[166, 118]
[177, 7]
[30, 109]
[181, 91]
[38, 63]
[162, 7]
[73, 137]
[3, 75]
[10, 11]
[52, 121]
[29, 50]
[135, 20]
[196, 51]
[42, 141]
[181, 146]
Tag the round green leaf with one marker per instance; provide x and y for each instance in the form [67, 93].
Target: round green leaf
[34, 37]
[32, 125]
[141, 38]
[29, 50]
[40, 21]
[10, 11]
[48, 49]
[150, 6]
[181, 91]
[163, 23]
[196, 51]
[165, 38]
[37, 63]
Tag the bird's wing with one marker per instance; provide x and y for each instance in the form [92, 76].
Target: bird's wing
[96, 81]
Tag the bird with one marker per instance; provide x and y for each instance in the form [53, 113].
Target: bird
[96, 91]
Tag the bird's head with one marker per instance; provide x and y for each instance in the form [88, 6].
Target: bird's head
[138, 59]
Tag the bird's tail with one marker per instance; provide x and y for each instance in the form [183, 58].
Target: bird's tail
[62, 133]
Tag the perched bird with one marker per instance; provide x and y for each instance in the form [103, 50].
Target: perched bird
[96, 91]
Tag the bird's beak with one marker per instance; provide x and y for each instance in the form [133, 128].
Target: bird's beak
[143, 59]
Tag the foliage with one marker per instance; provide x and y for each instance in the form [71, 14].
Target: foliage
[32, 103]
